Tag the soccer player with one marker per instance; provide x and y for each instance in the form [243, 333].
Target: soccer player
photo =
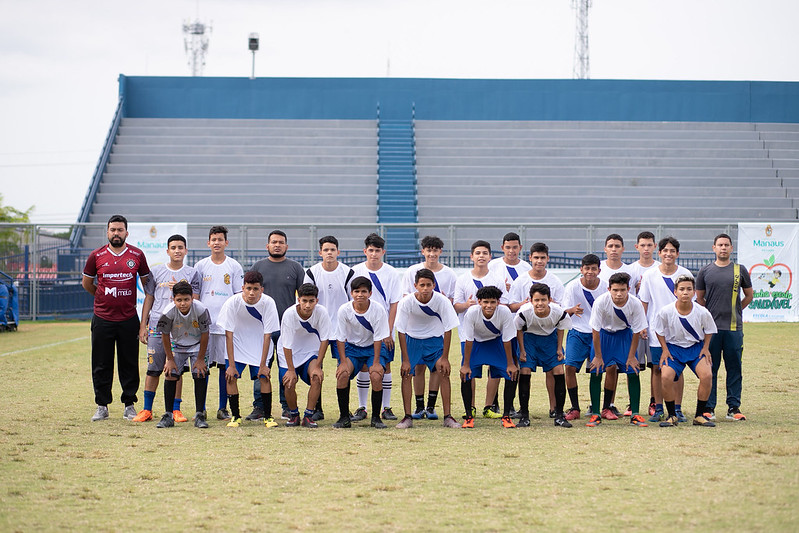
[617, 321]
[540, 325]
[220, 278]
[509, 266]
[158, 295]
[387, 292]
[425, 320]
[361, 331]
[445, 279]
[486, 330]
[304, 335]
[465, 292]
[657, 291]
[183, 328]
[684, 331]
[580, 295]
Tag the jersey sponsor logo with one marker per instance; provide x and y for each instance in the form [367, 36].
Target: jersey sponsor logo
[115, 291]
[219, 293]
[208, 278]
[226, 279]
[131, 263]
[118, 275]
[153, 232]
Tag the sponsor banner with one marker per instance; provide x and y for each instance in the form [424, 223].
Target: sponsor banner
[771, 254]
[151, 239]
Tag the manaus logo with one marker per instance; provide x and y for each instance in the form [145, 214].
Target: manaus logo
[769, 230]
[227, 279]
[153, 232]
[771, 282]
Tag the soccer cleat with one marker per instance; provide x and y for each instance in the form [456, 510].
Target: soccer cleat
[657, 416]
[257, 414]
[474, 413]
[359, 414]
[143, 416]
[285, 415]
[234, 422]
[406, 422]
[469, 422]
[507, 422]
[594, 421]
[129, 413]
[377, 423]
[178, 416]
[204, 413]
[431, 414]
[638, 420]
[702, 420]
[388, 414]
[167, 421]
[710, 414]
[199, 421]
[343, 422]
[615, 411]
[515, 414]
[419, 414]
[628, 411]
[223, 414]
[552, 413]
[491, 412]
[607, 414]
[101, 413]
[733, 413]
[293, 421]
[561, 421]
[308, 422]
[681, 417]
[318, 415]
[669, 421]
[269, 422]
[652, 408]
[451, 423]
[572, 414]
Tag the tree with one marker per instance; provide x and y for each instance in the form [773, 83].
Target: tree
[12, 239]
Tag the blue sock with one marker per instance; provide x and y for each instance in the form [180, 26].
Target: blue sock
[308, 413]
[659, 407]
[176, 404]
[295, 412]
[149, 397]
[678, 407]
[222, 389]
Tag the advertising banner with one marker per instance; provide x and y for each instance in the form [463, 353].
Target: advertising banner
[151, 239]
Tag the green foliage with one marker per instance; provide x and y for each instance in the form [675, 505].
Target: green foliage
[12, 239]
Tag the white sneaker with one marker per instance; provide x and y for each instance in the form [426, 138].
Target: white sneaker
[129, 414]
[101, 414]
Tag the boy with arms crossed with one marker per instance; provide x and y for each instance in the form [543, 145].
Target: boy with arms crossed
[425, 320]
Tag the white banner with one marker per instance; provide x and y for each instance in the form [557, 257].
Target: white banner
[151, 239]
[771, 254]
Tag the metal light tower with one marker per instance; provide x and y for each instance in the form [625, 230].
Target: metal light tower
[253, 45]
[582, 67]
[195, 39]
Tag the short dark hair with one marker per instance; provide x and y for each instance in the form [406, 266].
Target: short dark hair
[645, 235]
[117, 218]
[431, 241]
[539, 247]
[182, 287]
[328, 239]
[277, 232]
[722, 236]
[511, 236]
[425, 273]
[614, 237]
[176, 237]
[478, 244]
[662, 243]
[308, 289]
[622, 278]
[374, 240]
[253, 276]
[489, 292]
[360, 281]
[217, 229]
[540, 288]
[684, 278]
[590, 259]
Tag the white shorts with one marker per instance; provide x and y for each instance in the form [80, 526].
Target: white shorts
[217, 350]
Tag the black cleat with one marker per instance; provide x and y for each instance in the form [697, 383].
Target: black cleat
[343, 422]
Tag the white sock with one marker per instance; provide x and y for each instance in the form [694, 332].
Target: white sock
[386, 390]
[362, 381]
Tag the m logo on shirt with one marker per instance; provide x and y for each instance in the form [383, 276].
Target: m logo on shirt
[112, 291]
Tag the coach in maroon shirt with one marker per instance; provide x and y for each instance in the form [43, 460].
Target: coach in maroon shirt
[110, 276]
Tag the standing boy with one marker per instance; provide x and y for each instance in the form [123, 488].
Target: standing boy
[509, 266]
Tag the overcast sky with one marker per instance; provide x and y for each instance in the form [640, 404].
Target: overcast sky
[61, 59]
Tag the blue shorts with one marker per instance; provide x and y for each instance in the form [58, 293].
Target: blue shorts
[490, 353]
[656, 353]
[425, 352]
[333, 343]
[615, 349]
[360, 357]
[302, 371]
[386, 355]
[682, 357]
[579, 349]
[240, 369]
[541, 351]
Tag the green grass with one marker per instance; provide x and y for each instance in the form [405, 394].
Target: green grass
[60, 471]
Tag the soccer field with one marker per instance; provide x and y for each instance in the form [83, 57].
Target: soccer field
[60, 471]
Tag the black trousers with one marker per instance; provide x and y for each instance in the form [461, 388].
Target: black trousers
[106, 335]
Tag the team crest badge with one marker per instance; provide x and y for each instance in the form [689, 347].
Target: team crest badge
[195, 324]
[131, 263]
[769, 230]
[153, 232]
[227, 279]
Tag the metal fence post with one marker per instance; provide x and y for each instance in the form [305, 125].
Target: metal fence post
[311, 241]
[451, 231]
[34, 301]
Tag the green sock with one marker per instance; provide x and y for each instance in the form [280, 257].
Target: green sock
[634, 388]
[595, 386]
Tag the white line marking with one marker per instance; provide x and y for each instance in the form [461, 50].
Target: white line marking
[44, 346]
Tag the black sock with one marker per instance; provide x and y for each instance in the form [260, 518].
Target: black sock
[672, 410]
[377, 403]
[419, 402]
[466, 394]
[560, 393]
[344, 401]
[319, 402]
[701, 407]
[233, 401]
[200, 392]
[575, 398]
[169, 395]
[496, 400]
[510, 392]
[608, 399]
[266, 398]
[524, 394]
[651, 400]
[432, 396]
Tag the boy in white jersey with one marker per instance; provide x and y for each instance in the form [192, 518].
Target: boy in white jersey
[486, 331]
[332, 278]
[509, 267]
[220, 278]
[444, 283]
[425, 320]
[248, 321]
[618, 321]
[361, 331]
[304, 336]
[684, 331]
[183, 328]
[580, 295]
[657, 291]
[158, 295]
[386, 292]
[540, 325]
[465, 297]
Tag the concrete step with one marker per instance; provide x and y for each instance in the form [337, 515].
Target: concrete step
[629, 197]
[784, 154]
[230, 169]
[589, 142]
[234, 200]
[593, 134]
[235, 122]
[234, 159]
[422, 125]
[319, 187]
[781, 145]
[533, 171]
[776, 126]
[208, 150]
[296, 211]
[590, 152]
[786, 163]
[779, 135]
[502, 161]
[221, 140]
[241, 131]
[243, 180]
[652, 189]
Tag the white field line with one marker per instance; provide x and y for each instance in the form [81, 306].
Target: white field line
[44, 346]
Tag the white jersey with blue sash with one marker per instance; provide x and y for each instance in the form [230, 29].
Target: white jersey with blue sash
[684, 330]
[467, 287]
[423, 321]
[476, 327]
[334, 287]
[605, 272]
[509, 273]
[248, 323]
[606, 315]
[520, 289]
[386, 284]
[362, 329]
[302, 336]
[657, 291]
[576, 293]
[445, 280]
[527, 321]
